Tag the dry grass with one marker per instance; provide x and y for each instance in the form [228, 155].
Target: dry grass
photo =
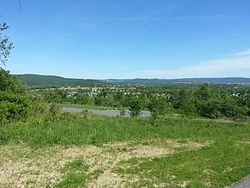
[23, 166]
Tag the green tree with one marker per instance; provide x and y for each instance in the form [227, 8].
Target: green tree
[204, 92]
[82, 98]
[5, 44]
[54, 109]
[183, 97]
[158, 106]
[189, 109]
[13, 106]
[230, 109]
[14, 103]
[10, 83]
[209, 108]
[135, 107]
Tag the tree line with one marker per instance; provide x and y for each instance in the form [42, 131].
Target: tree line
[202, 100]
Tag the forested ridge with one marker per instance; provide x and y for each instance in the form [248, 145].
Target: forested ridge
[45, 81]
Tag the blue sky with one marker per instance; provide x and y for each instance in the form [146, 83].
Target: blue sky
[129, 38]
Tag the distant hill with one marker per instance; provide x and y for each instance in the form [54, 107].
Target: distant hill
[41, 81]
[138, 81]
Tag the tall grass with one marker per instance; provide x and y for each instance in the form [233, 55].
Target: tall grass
[202, 168]
[68, 129]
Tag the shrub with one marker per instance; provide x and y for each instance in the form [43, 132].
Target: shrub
[135, 107]
[158, 106]
[84, 113]
[209, 109]
[13, 107]
[9, 83]
[189, 109]
[37, 107]
[54, 109]
[122, 112]
[232, 110]
[67, 116]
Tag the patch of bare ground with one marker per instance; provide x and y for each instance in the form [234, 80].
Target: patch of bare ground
[243, 142]
[124, 151]
[22, 166]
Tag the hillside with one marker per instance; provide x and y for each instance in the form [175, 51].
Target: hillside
[42, 81]
[229, 80]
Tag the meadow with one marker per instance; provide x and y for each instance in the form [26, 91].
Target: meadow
[79, 150]
[190, 132]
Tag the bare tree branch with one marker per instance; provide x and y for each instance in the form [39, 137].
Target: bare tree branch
[20, 4]
[5, 44]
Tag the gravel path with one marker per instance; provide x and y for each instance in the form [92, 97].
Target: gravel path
[245, 183]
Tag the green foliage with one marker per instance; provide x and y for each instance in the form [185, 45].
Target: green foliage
[54, 109]
[230, 109]
[190, 100]
[82, 98]
[204, 92]
[40, 81]
[183, 97]
[136, 105]
[189, 109]
[209, 108]
[13, 107]
[123, 112]
[158, 106]
[5, 44]
[38, 106]
[67, 116]
[10, 84]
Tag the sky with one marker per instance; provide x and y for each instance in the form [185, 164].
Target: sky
[102, 39]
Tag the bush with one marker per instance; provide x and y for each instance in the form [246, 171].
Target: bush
[54, 109]
[38, 106]
[209, 109]
[67, 116]
[122, 112]
[135, 107]
[158, 106]
[9, 83]
[189, 109]
[232, 110]
[13, 107]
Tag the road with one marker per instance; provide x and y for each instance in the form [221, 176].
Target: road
[245, 183]
[110, 113]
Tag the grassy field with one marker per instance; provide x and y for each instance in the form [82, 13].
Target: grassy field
[72, 150]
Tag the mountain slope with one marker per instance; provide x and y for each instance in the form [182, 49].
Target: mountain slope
[42, 81]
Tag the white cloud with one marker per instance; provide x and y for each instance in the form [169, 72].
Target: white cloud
[236, 65]
[245, 53]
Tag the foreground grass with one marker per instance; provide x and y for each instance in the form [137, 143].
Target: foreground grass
[221, 158]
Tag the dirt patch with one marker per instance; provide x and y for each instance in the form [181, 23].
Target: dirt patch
[244, 142]
[209, 172]
[108, 179]
[22, 166]
[150, 152]
[124, 151]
